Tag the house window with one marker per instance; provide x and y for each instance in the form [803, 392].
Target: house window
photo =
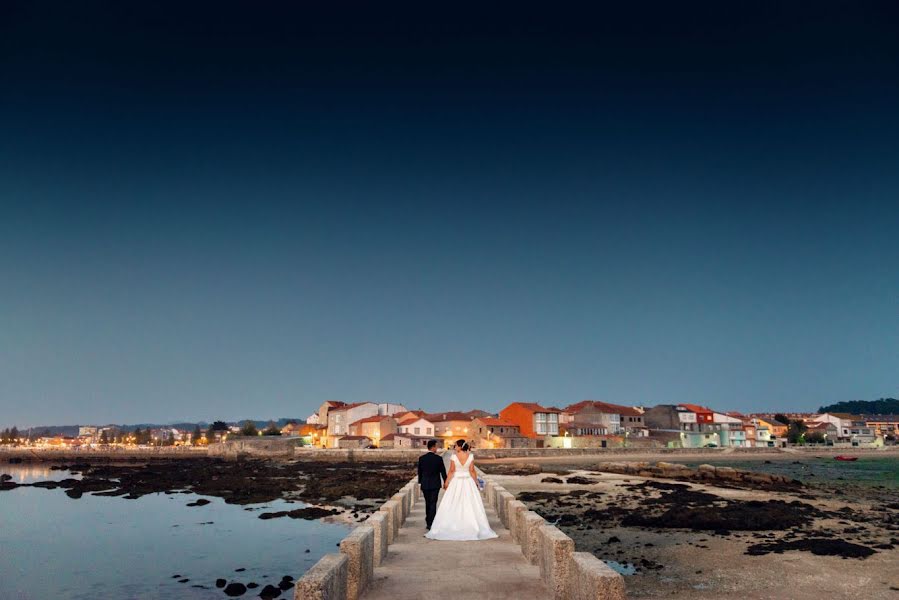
[429, 431]
[417, 430]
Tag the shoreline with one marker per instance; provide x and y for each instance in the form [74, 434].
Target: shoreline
[546, 456]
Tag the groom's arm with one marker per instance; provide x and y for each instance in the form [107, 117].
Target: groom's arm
[419, 471]
[442, 472]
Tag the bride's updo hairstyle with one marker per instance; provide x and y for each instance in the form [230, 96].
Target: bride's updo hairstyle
[466, 447]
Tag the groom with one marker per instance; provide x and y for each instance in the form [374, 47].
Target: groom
[431, 475]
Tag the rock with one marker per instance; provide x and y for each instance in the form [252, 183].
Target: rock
[285, 584]
[220, 583]
[252, 585]
[580, 481]
[726, 473]
[240, 570]
[5, 477]
[199, 502]
[613, 540]
[551, 480]
[74, 493]
[269, 592]
[235, 589]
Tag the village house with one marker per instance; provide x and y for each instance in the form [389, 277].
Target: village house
[732, 432]
[593, 413]
[415, 425]
[775, 428]
[533, 420]
[375, 427]
[339, 418]
[850, 428]
[326, 407]
[827, 432]
[683, 425]
[883, 425]
[450, 426]
[402, 440]
[492, 432]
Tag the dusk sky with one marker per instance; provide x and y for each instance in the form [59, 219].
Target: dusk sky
[242, 209]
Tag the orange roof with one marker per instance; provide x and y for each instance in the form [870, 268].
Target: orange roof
[447, 416]
[696, 408]
[534, 407]
[388, 437]
[374, 419]
[494, 422]
[410, 420]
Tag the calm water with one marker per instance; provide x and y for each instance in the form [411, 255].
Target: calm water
[866, 471]
[99, 548]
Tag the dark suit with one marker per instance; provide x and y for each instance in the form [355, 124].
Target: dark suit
[431, 475]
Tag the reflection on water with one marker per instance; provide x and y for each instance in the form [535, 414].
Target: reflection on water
[52, 546]
[29, 473]
[623, 568]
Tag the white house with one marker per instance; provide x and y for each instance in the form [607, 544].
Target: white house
[417, 426]
[313, 419]
[732, 432]
[850, 428]
[339, 419]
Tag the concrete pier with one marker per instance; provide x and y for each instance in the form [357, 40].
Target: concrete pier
[417, 567]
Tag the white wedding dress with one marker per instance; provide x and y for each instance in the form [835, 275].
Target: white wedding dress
[461, 515]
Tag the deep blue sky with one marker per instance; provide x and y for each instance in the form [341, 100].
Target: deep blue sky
[243, 209]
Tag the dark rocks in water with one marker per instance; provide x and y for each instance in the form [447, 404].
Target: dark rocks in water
[818, 546]
[613, 540]
[287, 578]
[253, 481]
[185, 580]
[252, 585]
[286, 584]
[309, 513]
[220, 583]
[176, 576]
[199, 502]
[235, 589]
[8, 485]
[47, 485]
[74, 493]
[240, 570]
[577, 480]
[307, 551]
[551, 480]
[5, 477]
[269, 592]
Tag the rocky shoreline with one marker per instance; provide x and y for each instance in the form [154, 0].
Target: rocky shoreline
[700, 532]
[329, 488]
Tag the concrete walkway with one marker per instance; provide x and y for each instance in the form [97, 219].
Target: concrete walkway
[417, 568]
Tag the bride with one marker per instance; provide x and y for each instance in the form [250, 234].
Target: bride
[461, 514]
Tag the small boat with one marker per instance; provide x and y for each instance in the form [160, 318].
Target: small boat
[846, 458]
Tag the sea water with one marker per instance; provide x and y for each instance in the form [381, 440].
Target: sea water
[98, 548]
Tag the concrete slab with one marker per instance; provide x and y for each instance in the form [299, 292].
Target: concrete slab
[326, 580]
[591, 579]
[359, 548]
[419, 568]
